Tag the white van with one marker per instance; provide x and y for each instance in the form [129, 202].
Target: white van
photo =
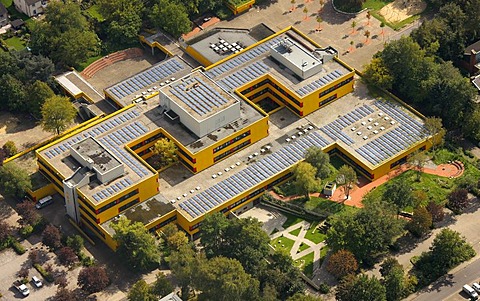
[470, 291]
[44, 202]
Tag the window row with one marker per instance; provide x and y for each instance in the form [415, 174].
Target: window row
[232, 150]
[232, 141]
[333, 88]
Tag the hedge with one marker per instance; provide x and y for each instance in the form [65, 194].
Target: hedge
[17, 247]
[45, 274]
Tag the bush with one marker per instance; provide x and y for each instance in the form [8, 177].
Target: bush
[86, 260]
[17, 247]
[26, 231]
[48, 276]
[10, 148]
[324, 288]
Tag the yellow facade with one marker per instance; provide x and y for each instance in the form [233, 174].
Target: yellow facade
[238, 9]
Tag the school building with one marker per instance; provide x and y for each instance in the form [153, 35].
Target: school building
[212, 113]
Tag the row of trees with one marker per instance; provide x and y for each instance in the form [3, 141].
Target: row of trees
[232, 264]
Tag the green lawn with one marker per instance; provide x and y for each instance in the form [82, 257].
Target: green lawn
[305, 264]
[315, 236]
[282, 243]
[375, 4]
[323, 205]
[296, 231]
[291, 220]
[302, 247]
[323, 253]
[15, 42]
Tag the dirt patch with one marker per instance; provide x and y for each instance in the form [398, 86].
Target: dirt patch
[21, 129]
[400, 10]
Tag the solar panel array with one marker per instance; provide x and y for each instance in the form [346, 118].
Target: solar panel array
[155, 74]
[97, 130]
[323, 81]
[394, 141]
[112, 189]
[115, 140]
[244, 75]
[241, 59]
[251, 176]
[334, 128]
[201, 98]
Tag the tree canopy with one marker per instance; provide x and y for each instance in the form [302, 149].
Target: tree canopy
[166, 150]
[14, 181]
[123, 19]
[399, 193]
[360, 287]
[320, 160]
[65, 34]
[346, 177]
[171, 17]
[135, 244]
[305, 178]
[57, 114]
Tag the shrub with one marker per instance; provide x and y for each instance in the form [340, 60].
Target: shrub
[342, 263]
[86, 260]
[67, 256]
[93, 279]
[51, 237]
[26, 231]
[324, 288]
[17, 247]
[10, 148]
[47, 275]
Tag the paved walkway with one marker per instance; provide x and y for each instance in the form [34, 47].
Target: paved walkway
[316, 248]
[357, 193]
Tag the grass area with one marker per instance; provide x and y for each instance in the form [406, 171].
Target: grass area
[282, 243]
[323, 205]
[296, 231]
[305, 264]
[15, 42]
[291, 220]
[302, 247]
[375, 4]
[94, 12]
[323, 253]
[315, 236]
[85, 64]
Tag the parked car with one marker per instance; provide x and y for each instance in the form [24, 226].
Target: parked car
[476, 287]
[22, 288]
[38, 283]
[470, 292]
[44, 202]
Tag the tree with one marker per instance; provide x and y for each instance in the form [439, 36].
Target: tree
[396, 284]
[124, 19]
[434, 131]
[347, 177]
[135, 244]
[458, 200]
[29, 214]
[14, 181]
[140, 291]
[75, 242]
[360, 287]
[366, 233]
[5, 232]
[171, 17]
[10, 148]
[353, 25]
[305, 181]
[167, 150]
[319, 160]
[67, 256]
[367, 35]
[51, 237]
[436, 211]
[420, 223]
[342, 263]
[36, 100]
[34, 256]
[93, 279]
[184, 264]
[293, 5]
[224, 279]
[377, 74]
[161, 286]
[241, 239]
[13, 95]
[57, 113]
[31, 67]
[399, 193]
[450, 249]
[23, 273]
[64, 294]
[61, 281]
[382, 26]
[303, 297]
[319, 21]
[305, 11]
[369, 16]
[65, 35]
[418, 160]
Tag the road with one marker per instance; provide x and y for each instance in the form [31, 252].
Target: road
[449, 287]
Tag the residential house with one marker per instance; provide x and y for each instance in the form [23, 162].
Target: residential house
[30, 7]
[3, 15]
[471, 58]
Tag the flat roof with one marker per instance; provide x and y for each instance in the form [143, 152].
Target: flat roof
[296, 54]
[148, 80]
[199, 95]
[256, 61]
[225, 43]
[145, 212]
[102, 159]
